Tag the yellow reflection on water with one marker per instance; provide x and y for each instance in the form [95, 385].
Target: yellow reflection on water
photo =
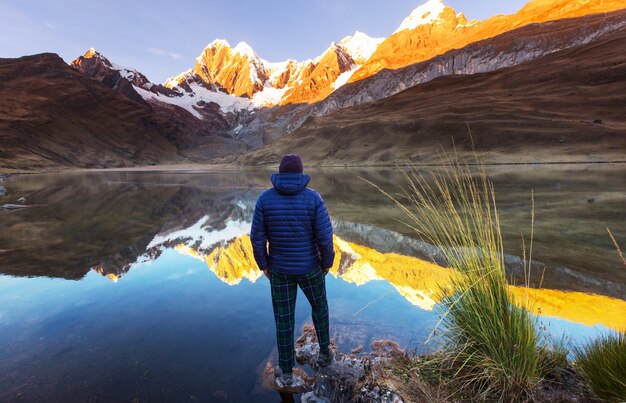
[417, 280]
[231, 263]
[588, 309]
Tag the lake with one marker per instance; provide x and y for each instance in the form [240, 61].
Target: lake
[138, 286]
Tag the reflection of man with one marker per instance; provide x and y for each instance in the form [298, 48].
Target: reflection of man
[294, 221]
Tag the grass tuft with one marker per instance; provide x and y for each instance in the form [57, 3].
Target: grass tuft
[603, 364]
[491, 344]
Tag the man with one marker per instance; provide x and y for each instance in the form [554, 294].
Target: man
[293, 220]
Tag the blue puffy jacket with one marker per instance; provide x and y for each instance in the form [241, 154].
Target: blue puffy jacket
[295, 222]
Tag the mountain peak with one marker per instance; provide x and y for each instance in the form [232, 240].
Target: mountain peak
[427, 13]
[91, 52]
[98, 58]
[218, 43]
[360, 46]
[244, 49]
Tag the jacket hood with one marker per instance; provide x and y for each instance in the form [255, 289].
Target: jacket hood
[290, 183]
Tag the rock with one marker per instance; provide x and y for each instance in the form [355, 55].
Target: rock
[310, 397]
[3, 190]
[21, 200]
[302, 382]
[343, 380]
[10, 206]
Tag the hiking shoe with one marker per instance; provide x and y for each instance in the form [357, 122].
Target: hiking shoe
[324, 359]
[283, 378]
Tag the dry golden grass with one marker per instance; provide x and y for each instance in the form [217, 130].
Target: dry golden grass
[491, 345]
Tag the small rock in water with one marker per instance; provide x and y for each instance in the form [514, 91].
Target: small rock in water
[10, 206]
[22, 200]
[301, 382]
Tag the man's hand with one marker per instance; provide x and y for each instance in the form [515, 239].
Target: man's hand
[267, 273]
[325, 271]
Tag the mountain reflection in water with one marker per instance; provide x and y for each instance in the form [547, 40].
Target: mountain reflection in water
[229, 255]
[168, 327]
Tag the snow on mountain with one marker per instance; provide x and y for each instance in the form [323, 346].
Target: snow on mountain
[344, 77]
[360, 46]
[278, 69]
[250, 81]
[257, 67]
[236, 78]
[427, 13]
[184, 91]
[197, 94]
[244, 49]
[270, 96]
[201, 236]
[97, 60]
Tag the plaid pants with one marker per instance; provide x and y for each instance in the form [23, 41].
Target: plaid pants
[284, 291]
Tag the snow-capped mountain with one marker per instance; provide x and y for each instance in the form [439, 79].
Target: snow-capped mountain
[428, 13]
[232, 101]
[194, 96]
[198, 118]
[360, 46]
[234, 79]
[240, 72]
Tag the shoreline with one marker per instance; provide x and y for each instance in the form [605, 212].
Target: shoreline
[231, 167]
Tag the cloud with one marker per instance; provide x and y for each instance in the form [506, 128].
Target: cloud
[49, 25]
[161, 52]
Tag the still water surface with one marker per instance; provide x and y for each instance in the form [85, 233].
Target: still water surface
[141, 286]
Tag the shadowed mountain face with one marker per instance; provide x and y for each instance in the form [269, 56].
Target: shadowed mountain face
[567, 106]
[52, 115]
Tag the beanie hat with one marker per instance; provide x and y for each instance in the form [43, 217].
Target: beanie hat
[290, 163]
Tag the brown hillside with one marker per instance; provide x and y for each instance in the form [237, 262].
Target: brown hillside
[52, 115]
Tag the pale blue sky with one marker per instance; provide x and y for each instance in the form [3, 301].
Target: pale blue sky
[162, 38]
